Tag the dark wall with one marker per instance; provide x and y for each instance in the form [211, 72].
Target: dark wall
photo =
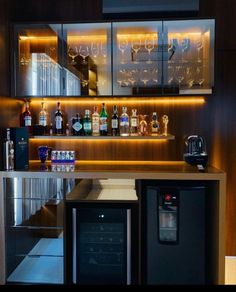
[219, 118]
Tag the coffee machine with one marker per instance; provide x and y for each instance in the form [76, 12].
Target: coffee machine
[196, 151]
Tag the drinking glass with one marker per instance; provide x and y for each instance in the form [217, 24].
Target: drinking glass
[73, 53]
[136, 45]
[199, 46]
[94, 49]
[84, 53]
[122, 46]
[185, 44]
[172, 47]
[149, 46]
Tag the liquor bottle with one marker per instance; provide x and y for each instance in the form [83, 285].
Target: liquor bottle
[77, 126]
[95, 122]
[26, 116]
[124, 122]
[43, 116]
[103, 121]
[115, 122]
[51, 129]
[67, 130]
[58, 120]
[8, 152]
[87, 123]
[155, 125]
[143, 127]
[134, 123]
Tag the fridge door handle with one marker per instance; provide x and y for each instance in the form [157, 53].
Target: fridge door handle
[128, 247]
[74, 244]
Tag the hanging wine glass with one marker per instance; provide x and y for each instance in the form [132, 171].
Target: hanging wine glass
[149, 46]
[172, 47]
[135, 45]
[154, 74]
[185, 44]
[199, 46]
[94, 49]
[84, 53]
[200, 79]
[145, 76]
[73, 53]
[189, 77]
[179, 75]
[122, 46]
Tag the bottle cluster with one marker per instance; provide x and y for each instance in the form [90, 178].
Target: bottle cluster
[98, 123]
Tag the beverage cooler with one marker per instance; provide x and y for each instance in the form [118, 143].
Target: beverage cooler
[101, 243]
[174, 232]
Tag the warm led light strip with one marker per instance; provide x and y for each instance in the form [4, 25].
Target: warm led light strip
[164, 101]
[97, 140]
[123, 162]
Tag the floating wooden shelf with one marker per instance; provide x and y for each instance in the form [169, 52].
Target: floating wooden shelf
[160, 137]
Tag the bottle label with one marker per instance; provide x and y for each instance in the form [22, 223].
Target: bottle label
[114, 124]
[124, 121]
[43, 121]
[87, 126]
[27, 120]
[77, 126]
[95, 125]
[58, 121]
[134, 122]
[103, 123]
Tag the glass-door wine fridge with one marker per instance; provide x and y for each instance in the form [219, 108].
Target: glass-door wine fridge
[101, 243]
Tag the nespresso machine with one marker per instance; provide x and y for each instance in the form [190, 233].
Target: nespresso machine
[196, 151]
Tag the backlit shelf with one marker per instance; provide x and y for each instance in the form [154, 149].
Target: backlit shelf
[59, 137]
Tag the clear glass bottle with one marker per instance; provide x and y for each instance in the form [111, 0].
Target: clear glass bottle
[115, 122]
[43, 116]
[26, 116]
[87, 123]
[103, 121]
[154, 125]
[8, 152]
[58, 120]
[95, 122]
[134, 123]
[124, 122]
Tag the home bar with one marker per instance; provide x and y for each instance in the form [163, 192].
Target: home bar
[116, 146]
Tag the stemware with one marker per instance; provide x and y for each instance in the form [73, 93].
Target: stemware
[136, 45]
[145, 76]
[84, 53]
[149, 46]
[122, 46]
[185, 44]
[73, 53]
[199, 46]
[94, 49]
[179, 74]
[172, 47]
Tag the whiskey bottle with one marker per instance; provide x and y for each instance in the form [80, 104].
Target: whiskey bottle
[95, 122]
[115, 122]
[58, 120]
[143, 127]
[103, 121]
[155, 125]
[43, 116]
[26, 116]
[134, 123]
[87, 123]
[124, 122]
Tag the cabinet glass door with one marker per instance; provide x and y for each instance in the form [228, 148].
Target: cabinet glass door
[188, 60]
[87, 54]
[37, 60]
[137, 58]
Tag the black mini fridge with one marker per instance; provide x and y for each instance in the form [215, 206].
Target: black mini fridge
[173, 232]
[101, 243]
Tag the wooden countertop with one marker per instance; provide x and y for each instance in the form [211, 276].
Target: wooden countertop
[120, 170]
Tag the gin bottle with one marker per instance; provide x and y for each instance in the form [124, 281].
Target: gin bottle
[124, 122]
[134, 123]
[95, 122]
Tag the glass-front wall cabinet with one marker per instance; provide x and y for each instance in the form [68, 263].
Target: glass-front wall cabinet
[88, 56]
[115, 58]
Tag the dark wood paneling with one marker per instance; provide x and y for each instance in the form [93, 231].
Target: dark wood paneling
[4, 51]
[54, 10]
